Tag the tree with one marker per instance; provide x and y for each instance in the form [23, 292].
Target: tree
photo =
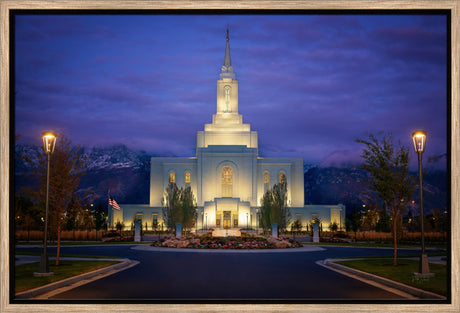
[355, 220]
[26, 213]
[171, 205]
[297, 225]
[67, 168]
[179, 206]
[188, 208]
[119, 226]
[274, 208]
[383, 223]
[388, 169]
[370, 218]
[333, 227]
[71, 215]
[100, 221]
[438, 220]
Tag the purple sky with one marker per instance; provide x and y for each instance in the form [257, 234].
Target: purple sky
[309, 84]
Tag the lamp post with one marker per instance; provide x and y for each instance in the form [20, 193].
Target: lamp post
[49, 142]
[247, 221]
[419, 139]
[206, 219]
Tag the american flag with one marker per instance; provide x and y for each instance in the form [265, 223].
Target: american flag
[113, 203]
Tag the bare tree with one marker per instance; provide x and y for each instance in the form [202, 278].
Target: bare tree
[388, 168]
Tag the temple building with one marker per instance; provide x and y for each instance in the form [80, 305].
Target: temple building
[227, 175]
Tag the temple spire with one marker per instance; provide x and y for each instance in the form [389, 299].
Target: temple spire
[227, 68]
[227, 60]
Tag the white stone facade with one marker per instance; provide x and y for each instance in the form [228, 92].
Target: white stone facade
[227, 176]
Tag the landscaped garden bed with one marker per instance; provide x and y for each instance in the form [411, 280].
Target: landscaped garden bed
[119, 239]
[209, 242]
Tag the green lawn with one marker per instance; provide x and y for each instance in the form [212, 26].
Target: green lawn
[24, 274]
[390, 256]
[84, 243]
[67, 255]
[372, 245]
[403, 273]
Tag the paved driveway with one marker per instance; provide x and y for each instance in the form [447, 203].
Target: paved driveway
[215, 275]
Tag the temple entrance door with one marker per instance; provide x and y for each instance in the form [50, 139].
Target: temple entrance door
[227, 219]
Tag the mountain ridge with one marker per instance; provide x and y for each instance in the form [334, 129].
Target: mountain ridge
[126, 174]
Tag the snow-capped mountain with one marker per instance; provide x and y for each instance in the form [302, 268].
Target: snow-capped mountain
[126, 174]
[115, 157]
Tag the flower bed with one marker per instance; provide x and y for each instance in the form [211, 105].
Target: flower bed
[208, 242]
[119, 239]
[336, 240]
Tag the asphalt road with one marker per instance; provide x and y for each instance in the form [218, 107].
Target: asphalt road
[232, 276]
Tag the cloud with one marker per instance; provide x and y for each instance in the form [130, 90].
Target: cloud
[309, 84]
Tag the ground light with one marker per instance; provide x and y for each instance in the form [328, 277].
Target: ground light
[419, 139]
[49, 142]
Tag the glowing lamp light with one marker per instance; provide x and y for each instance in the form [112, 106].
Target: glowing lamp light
[49, 142]
[419, 138]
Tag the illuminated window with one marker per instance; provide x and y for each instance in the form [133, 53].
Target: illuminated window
[227, 182]
[266, 181]
[187, 177]
[314, 218]
[282, 178]
[266, 178]
[172, 177]
[154, 220]
[138, 218]
[227, 176]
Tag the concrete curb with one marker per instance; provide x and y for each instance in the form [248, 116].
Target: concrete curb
[422, 294]
[169, 250]
[124, 264]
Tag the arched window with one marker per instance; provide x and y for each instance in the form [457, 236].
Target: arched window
[227, 182]
[227, 176]
[187, 177]
[282, 178]
[266, 181]
[172, 177]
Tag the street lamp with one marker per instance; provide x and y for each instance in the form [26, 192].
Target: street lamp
[206, 219]
[419, 139]
[247, 221]
[49, 142]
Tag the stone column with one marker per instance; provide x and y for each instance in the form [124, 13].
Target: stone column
[178, 230]
[274, 230]
[315, 232]
[137, 231]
